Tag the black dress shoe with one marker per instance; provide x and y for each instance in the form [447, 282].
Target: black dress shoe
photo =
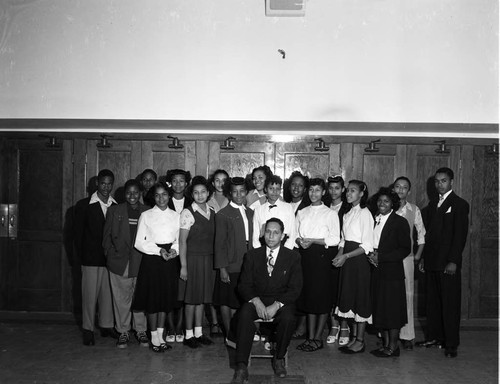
[387, 352]
[429, 344]
[88, 337]
[240, 376]
[279, 367]
[109, 332]
[191, 342]
[204, 340]
[451, 352]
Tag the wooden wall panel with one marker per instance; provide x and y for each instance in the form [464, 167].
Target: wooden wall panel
[245, 157]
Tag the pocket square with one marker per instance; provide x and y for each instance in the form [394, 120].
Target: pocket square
[449, 210]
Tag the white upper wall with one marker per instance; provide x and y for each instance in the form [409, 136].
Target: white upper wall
[346, 60]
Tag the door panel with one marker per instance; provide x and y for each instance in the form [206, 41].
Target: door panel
[378, 169]
[484, 237]
[241, 160]
[301, 156]
[123, 159]
[159, 157]
[36, 260]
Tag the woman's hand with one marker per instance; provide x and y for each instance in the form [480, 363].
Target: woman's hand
[184, 273]
[172, 254]
[373, 258]
[224, 276]
[164, 254]
[339, 260]
[305, 243]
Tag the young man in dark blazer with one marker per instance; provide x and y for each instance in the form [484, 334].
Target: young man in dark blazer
[447, 226]
[123, 262]
[90, 215]
[270, 283]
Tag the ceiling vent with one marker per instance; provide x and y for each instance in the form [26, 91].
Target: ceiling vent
[285, 8]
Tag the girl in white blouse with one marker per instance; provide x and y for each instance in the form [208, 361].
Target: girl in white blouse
[318, 231]
[354, 301]
[158, 278]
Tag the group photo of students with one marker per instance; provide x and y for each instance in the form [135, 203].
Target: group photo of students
[196, 261]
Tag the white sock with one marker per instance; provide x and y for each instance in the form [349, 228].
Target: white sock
[160, 335]
[198, 331]
[189, 333]
[155, 340]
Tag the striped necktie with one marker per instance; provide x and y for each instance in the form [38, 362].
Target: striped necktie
[270, 262]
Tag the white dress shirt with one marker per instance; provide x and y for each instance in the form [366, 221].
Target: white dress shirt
[414, 217]
[380, 221]
[157, 227]
[282, 211]
[318, 222]
[178, 204]
[442, 198]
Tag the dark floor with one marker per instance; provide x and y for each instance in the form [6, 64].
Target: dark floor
[52, 352]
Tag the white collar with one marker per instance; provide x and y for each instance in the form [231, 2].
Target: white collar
[275, 251]
[95, 199]
[445, 195]
[237, 206]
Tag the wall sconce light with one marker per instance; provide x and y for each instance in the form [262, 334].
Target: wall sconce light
[321, 147]
[492, 149]
[372, 147]
[52, 143]
[175, 143]
[442, 147]
[228, 143]
[104, 143]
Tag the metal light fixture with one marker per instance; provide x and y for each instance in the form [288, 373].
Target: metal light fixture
[492, 149]
[442, 147]
[175, 143]
[52, 143]
[321, 147]
[372, 147]
[104, 143]
[228, 143]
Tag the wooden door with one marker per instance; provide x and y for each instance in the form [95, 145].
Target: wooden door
[241, 160]
[378, 169]
[302, 156]
[35, 273]
[483, 285]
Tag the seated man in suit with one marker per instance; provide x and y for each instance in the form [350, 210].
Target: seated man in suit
[270, 283]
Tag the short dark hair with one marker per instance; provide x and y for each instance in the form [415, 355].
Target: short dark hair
[232, 182]
[384, 191]
[317, 181]
[148, 170]
[105, 173]
[274, 179]
[276, 220]
[447, 171]
[403, 178]
[200, 180]
[161, 184]
[337, 180]
[132, 183]
[174, 172]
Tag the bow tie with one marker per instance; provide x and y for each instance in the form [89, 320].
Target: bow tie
[272, 206]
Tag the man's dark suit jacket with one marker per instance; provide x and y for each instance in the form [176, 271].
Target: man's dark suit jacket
[118, 246]
[447, 228]
[394, 246]
[230, 242]
[284, 284]
[89, 226]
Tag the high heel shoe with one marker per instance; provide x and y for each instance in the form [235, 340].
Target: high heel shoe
[332, 338]
[351, 351]
[344, 340]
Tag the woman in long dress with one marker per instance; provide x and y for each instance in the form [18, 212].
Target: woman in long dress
[354, 301]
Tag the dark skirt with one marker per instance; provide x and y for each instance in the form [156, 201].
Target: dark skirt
[157, 284]
[227, 294]
[317, 294]
[199, 286]
[354, 300]
[389, 302]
